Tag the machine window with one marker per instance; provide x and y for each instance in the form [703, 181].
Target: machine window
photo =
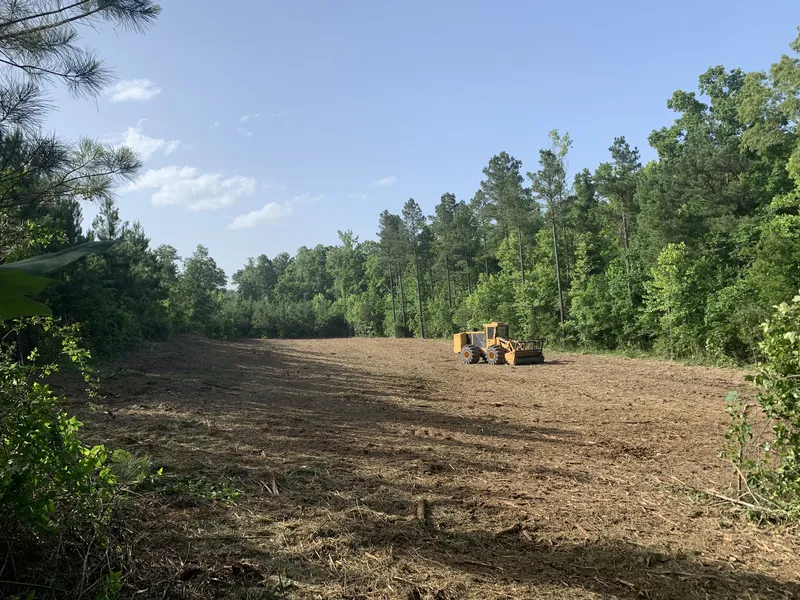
[489, 332]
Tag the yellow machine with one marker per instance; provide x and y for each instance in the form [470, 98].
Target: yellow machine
[494, 346]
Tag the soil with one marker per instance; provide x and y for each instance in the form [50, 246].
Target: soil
[374, 468]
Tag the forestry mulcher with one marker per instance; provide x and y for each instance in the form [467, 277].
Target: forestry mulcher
[495, 347]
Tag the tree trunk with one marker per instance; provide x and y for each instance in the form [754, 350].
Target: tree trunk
[469, 280]
[627, 256]
[485, 255]
[419, 297]
[521, 256]
[449, 286]
[558, 273]
[567, 252]
[391, 289]
[402, 298]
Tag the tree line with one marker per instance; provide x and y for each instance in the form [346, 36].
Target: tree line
[685, 255]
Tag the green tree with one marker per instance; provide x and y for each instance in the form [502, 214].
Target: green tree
[502, 190]
[414, 223]
[305, 276]
[549, 184]
[391, 249]
[445, 237]
[198, 284]
[617, 181]
[345, 264]
[676, 299]
[257, 279]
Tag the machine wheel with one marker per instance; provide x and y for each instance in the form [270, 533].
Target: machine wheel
[495, 355]
[470, 354]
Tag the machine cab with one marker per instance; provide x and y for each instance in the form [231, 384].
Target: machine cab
[495, 330]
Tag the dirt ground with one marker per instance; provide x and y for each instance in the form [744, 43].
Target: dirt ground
[373, 468]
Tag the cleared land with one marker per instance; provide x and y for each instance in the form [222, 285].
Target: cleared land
[387, 469]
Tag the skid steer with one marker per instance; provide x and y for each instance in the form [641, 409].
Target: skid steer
[495, 347]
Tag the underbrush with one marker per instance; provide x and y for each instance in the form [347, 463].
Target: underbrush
[765, 447]
[57, 495]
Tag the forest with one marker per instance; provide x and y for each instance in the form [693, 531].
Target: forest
[684, 256]
[692, 256]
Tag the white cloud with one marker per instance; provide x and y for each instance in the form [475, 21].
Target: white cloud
[275, 116]
[307, 199]
[270, 213]
[214, 125]
[273, 185]
[134, 90]
[358, 196]
[386, 180]
[246, 132]
[254, 117]
[144, 145]
[185, 186]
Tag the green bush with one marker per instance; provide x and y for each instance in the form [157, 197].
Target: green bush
[773, 475]
[778, 380]
[48, 478]
[675, 301]
[57, 494]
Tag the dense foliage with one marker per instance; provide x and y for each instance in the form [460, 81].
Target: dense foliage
[778, 380]
[767, 458]
[685, 255]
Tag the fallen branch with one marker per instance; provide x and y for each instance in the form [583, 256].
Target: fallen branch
[230, 537]
[113, 375]
[480, 564]
[36, 585]
[682, 574]
[750, 505]
[220, 385]
[781, 514]
[516, 528]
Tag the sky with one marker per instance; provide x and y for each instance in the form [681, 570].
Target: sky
[266, 125]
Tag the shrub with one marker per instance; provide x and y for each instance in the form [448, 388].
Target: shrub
[47, 476]
[773, 477]
[52, 485]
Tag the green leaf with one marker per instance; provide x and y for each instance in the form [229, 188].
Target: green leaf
[21, 282]
[46, 264]
[13, 307]
[14, 287]
[23, 278]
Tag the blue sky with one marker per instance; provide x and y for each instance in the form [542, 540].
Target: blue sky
[270, 125]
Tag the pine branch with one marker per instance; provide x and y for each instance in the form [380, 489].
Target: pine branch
[32, 70]
[55, 24]
[42, 15]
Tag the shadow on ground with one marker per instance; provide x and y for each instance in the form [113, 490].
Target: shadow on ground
[357, 484]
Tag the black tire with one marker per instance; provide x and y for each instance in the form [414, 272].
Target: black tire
[470, 354]
[495, 355]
